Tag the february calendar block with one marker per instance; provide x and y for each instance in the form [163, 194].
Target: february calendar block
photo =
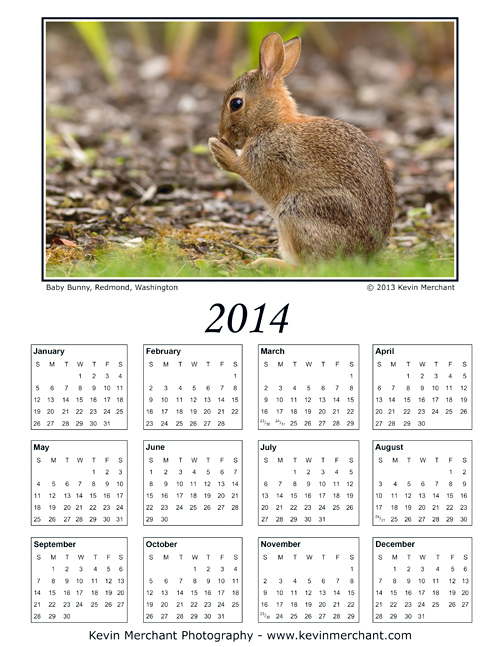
[422, 483]
[79, 579]
[308, 483]
[422, 579]
[189, 579]
[193, 386]
[309, 579]
[193, 483]
[309, 386]
[79, 386]
[79, 482]
[422, 386]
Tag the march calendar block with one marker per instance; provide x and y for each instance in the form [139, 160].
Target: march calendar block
[79, 579]
[193, 386]
[79, 386]
[309, 579]
[422, 483]
[189, 579]
[308, 386]
[422, 579]
[309, 483]
[419, 386]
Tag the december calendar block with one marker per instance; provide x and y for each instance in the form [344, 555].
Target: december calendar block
[193, 386]
[79, 386]
[422, 579]
[308, 386]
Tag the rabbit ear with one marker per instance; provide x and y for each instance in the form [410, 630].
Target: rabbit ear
[292, 53]
[271, 56]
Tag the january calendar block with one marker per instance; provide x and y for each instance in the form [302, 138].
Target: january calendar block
[193, 483]
[422, 579]
[308, 483]
[193, 386]
[79, 386]
[422, 386]
[79, 579]
[308, 386]
[422, 483]
[188, 579]
[309, 579]
[78, 483]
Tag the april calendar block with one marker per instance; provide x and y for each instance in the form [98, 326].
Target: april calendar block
[308, 386]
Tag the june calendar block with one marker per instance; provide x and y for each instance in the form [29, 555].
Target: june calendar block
[79, 579]
[309, 579]
[189, 579]
[422, 386]
[79, 386]
[309, 386]
[309, 483]
[79, 483]
[193, 483]
[422, 579]
[422, 483]
[193, 386]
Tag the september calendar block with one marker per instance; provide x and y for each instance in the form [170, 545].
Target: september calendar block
[189, 579]
[79, 386]
[422, 483]
[309, 579]
[79, 579]
[422, 386]
[308, 483]
[422, 579]
[193, 386]
[308, 386]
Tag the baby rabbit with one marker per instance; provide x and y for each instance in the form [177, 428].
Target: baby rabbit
[323, 180]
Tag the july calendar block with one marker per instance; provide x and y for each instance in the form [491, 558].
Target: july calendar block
[193, 483]
[79, 386]
[422, 483]
[193, 386]
[308, 483]
[422, 579]
[309, 386]
[309, 579]
[189, 579]
[79, 579]
[422, 386]
[79, 483]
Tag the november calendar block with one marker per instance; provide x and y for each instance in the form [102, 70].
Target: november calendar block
[419, 386]
[79, 579]
[308, 386]
[422, 579]
[193, 386]
[309, 579]
[79, 386]
[189, 579]
[422, 483]
[308, 483]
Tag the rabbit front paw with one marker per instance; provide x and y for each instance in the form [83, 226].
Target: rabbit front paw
[224, 156]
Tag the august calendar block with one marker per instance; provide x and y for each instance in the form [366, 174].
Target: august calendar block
[308, 386]
[79, 386]
[193, 386]
[422, 386]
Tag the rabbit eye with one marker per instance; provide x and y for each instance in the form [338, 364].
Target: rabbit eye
[236, 104]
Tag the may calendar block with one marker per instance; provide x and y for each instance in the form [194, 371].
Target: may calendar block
[309, 579]
[79, 482]
[422, 579]
[422, 483]
[79, 579]
[309, 386]
[193, 483]
[309, 483]
[422, 386]
[193, 386]
[189, 579]
[79, 386]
